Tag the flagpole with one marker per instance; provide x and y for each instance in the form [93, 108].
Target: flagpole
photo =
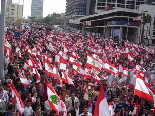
[2, 23]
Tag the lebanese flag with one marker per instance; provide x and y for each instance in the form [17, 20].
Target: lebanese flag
[66, 78]
[26, 67]
[18, 52]
[63, 55]
[51, 70]
[123, 71]
[29, 51]
[141, 89]
[18, 102]
[37, 76]
[91, 75]
[48, 58]
[7, 45]
[91, 62]
[23, 79]
[78, 69]
[8, 56]
[66, 48]
[29, 62]
[112, 113]
[74, 54]
[57, 59]
[63, 64]
[72, 60]
[54, 100]
[101, 108]
[110, 68]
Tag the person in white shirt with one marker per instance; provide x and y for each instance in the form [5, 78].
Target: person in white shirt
[28, 109]
[85, 112]
[71, 101]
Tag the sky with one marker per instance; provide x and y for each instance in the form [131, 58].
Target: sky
[50, 6]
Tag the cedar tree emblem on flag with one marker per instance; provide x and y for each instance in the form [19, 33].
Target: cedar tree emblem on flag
[111, 68]
[54, 99]
[78, 69]
[27, 68]
[93, 62]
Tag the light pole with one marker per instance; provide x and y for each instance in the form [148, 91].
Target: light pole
[2, 20]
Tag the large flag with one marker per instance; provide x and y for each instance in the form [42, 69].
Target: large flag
[141, 89]
[17, 99]
[54, 100]
[94, 63]
[102, 108]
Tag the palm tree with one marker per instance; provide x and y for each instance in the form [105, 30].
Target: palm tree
[146, 19]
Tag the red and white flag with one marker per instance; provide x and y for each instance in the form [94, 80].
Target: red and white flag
[54, 100]
[95, 64]
[23, 79]
[78, 69]
[18, 52]
[66, 78]
[26, 67]
[91, 75]
[141, 89]
[63, 64]
[101, 108]
[7, 45]
[18, 101]
[110, 68]
[51, 70]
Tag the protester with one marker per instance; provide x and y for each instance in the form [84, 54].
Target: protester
[53, 73]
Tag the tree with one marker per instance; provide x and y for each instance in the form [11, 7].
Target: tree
[146, 19]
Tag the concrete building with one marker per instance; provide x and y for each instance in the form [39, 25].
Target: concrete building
[13, 11]
[8, 2]
[37, 9]
[115, 18]
[79, 8]
[117, 23]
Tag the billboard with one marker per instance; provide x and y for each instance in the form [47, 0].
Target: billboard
[116, 32]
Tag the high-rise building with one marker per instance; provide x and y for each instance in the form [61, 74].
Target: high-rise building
[104, 5]
[8, 2]
[37, 9]
[13, 12]
[79, 8]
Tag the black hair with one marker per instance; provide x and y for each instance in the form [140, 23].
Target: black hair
[11, 106]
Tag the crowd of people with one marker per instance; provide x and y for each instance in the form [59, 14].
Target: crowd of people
[28, 60]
